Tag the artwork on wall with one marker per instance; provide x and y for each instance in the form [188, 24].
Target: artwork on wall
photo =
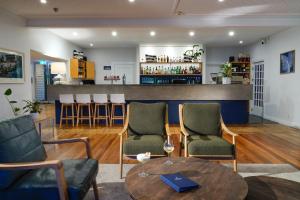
[287, 62]
[106, 67]
[11, 66]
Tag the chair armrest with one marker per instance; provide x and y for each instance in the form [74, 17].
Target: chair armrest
[121, 133]
[84, 140]
[167, 128]
[54, 164]
[226, 130]
[31, 165]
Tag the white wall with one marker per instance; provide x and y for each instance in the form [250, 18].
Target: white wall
[15, 36]
[215, 56]
[281, 92]
[109, 56]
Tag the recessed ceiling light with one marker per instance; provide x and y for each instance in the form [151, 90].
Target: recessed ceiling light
[131, 1]
[114, 33]
[75, 33]
[152, 33]
[241, 42]
[221, 0]
[231, 33]
[191, 33]
[91, 44]
[43, 1]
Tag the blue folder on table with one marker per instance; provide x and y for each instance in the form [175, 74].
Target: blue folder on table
[179, 182]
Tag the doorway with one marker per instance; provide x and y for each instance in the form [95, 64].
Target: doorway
[257, 108]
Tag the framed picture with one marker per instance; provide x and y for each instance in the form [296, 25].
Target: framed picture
[106, 67]
[11, 66]
[287, 62]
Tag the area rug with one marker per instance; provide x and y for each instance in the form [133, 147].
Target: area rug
[111, 187]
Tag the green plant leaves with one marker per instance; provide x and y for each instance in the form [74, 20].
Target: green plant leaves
[8, 92]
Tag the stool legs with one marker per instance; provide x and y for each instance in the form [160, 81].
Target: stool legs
[117, 117]
[67, 117]
[80, 114]
[97, 115]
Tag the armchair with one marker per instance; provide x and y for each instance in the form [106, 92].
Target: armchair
[202, 127]
[25, 173]
[146, 128]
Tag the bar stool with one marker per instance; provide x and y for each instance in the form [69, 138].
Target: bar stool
[67, 101]
[83, 100]
[101, 100]
[117, 100]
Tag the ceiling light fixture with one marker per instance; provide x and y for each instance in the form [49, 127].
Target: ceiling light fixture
[241, 42]
[75, 33]
[43, 1]
[191, 33]
[131, 1]
[221, 0]
[91, 44]
[114, 33]
[152, 33]
[231, 33]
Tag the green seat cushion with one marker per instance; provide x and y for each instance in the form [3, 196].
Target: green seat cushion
[19, 142]
[144, 143]
[209, 145]
[202, 119]
[41, 184]
[147, 119]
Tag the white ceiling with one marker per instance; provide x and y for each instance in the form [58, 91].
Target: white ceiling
[217, 36]
[94, 20]
[149, 8]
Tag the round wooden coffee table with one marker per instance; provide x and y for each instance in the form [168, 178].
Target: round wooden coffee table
[216, 181]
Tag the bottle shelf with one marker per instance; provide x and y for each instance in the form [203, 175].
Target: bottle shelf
[170, 63]
[170, 74]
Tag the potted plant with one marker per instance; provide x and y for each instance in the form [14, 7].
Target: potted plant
[32, 107]
[12, 103]
[226, 70]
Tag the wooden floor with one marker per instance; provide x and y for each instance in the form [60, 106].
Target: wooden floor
[256, 143]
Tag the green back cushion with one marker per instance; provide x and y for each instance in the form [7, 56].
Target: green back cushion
[202, 119]
[147, 119]
[19, 142]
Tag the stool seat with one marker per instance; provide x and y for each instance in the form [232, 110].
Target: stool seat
[67, 101]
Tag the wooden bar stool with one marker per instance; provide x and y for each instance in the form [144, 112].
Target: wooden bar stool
[83, 100]
[117, 100]
[101, 100]
[67, 101]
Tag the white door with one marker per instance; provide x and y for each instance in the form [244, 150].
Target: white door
[127, 69]
[40, 88]
[258, 89]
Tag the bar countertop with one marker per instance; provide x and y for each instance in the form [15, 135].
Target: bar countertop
[158, 92]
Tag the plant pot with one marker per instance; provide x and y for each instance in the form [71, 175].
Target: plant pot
[226, 80]
[34, 115]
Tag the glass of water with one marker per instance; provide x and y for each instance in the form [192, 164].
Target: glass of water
[169, 148]
[142, 158]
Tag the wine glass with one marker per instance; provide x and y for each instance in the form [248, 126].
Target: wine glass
[169, 148]
[142, 158]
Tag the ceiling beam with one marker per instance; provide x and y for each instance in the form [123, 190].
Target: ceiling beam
[178, 21]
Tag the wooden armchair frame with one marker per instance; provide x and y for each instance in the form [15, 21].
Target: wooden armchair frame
[224, 129]
[124, 133]
[57, 165]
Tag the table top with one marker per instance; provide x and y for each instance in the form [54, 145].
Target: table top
[216, 181]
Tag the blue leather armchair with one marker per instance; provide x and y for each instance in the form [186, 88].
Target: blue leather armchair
[25, 174]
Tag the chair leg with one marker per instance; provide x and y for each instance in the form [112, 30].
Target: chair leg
[90, 115]
[78, 114]
[123, 112]
[95, 113]
[235, 165]
[73, 117]
[121, 157]
[61, 115]
[95, 188]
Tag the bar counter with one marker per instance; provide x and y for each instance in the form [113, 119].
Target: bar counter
[234, 99]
